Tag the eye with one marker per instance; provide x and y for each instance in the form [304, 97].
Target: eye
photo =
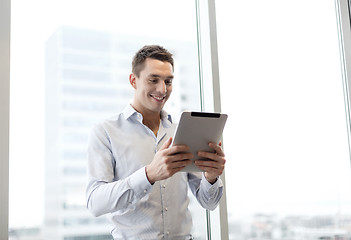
[168, 82]
[153, 80]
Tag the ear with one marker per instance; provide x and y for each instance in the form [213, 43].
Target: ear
[132, 80]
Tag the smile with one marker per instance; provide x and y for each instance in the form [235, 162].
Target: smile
[158, 98]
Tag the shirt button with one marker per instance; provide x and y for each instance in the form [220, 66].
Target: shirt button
[164, 186]
[167, 233]
[166, 209]
[145, 191]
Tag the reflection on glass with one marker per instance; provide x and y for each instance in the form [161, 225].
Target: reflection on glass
[82, 79]
[288, 173]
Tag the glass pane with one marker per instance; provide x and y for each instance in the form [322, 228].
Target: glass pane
[70, 66]
[287, 171]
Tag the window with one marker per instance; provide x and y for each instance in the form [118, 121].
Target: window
[68, 72]
[285, 140]
[288, 171]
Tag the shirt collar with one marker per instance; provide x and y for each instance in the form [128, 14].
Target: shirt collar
[166, 118]
[129, 111]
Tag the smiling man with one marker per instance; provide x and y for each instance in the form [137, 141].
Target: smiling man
[134, 173]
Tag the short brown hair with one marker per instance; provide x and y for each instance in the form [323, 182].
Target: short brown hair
[150, 51]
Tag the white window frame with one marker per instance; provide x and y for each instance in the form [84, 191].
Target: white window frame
[344, 30]
[210, 93]
[5, 13]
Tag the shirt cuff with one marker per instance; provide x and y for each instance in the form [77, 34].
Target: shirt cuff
[139, 183]
[211, 188]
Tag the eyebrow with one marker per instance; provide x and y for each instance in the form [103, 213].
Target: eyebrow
[158, 76]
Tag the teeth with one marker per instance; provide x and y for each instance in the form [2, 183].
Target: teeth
[158, 98]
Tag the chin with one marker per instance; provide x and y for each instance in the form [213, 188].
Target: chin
[157, 109]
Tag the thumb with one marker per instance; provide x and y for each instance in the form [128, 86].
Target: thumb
[166, 144]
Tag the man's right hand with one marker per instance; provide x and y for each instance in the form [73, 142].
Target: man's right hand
[168, 161]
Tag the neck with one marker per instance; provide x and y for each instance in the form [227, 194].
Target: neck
[152, 124]
[150, 119]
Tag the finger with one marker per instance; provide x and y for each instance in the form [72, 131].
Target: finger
[171, 158]
[177, 166]
[211, 170]
[218, 165]
[217, 148]
[166, 144]
[181, 164]
[212, 156]
[180, 157]
[209, 164]
[178, 149]
[214, 172]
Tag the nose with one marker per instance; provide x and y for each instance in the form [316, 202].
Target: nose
[162, 88]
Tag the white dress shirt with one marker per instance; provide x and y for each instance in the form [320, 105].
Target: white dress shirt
[118, 151]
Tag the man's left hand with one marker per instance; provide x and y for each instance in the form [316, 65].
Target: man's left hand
[213, 166]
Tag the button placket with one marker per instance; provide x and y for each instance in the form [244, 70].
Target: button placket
[163, 189]
[164, 207]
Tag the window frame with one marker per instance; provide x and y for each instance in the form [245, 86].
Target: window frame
[343, 15]
[5, 16]
[210, 93]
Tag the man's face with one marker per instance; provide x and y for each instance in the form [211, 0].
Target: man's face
[153, 87]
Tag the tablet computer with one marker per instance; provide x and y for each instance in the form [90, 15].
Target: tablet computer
[197, 129]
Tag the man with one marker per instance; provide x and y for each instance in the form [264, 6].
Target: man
[133, 171]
